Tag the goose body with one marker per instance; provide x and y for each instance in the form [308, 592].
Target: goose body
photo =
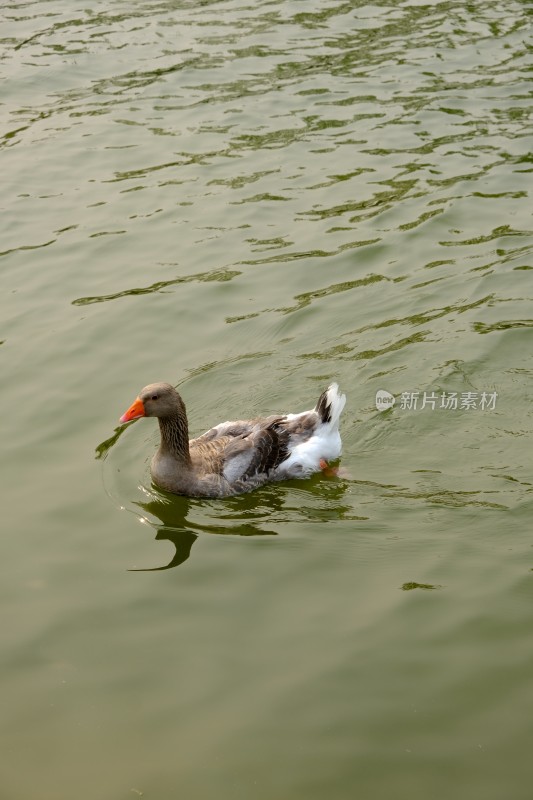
[236, 457]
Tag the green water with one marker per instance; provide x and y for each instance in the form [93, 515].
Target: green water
[249, 200]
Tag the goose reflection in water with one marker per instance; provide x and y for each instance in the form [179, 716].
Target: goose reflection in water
[173, 512]
[243, 515]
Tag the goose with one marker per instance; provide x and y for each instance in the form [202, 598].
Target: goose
[239, 456]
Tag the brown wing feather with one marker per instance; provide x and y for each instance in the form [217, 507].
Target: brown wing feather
[269, 447]
[240, 457]
[235, 428]
[207, 456]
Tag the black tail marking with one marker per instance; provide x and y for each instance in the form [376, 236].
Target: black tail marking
[323, 408]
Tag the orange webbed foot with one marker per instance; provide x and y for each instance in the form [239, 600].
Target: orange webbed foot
[331, 472]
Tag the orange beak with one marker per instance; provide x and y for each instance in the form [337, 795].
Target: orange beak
[134, 411]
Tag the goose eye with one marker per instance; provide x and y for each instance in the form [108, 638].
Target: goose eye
[154, 397]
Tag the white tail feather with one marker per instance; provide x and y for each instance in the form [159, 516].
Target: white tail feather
[323, 444]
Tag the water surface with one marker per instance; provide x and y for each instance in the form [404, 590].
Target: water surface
[248, 201]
